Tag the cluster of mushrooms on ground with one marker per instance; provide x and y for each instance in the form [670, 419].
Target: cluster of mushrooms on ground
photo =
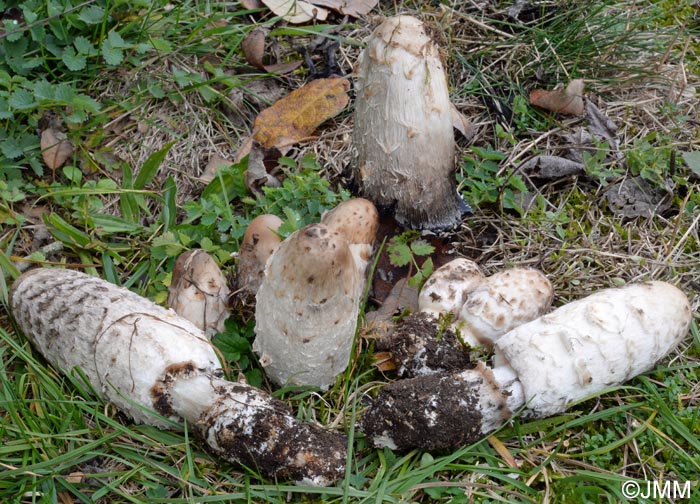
[158, 365]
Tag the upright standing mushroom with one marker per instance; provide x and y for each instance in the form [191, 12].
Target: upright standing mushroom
[307, 306]
[403, 127]
[259, 243]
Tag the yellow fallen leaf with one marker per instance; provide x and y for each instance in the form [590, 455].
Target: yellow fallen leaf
[294, 117]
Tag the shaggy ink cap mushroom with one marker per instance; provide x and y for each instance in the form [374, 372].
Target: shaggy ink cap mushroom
[199, 292]
[403, 130]
[449, 286]
[307, 307]
[259, 243]
[357, 219]
[502, 302]
[147, 359]
[594, 343]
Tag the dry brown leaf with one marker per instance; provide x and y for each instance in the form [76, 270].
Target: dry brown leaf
[461, 123]
[243, 150]
[215, 163]
[354, 8]
[55, 148]
[251, 4]
[384, 362]
[256, 174]
[296, 11]
[298, 114]
[253, 46]
[566, 101]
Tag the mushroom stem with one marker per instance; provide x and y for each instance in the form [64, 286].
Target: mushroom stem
[443, 410]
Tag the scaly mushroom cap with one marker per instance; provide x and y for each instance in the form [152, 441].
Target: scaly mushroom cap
[588, 345]
[259, 243]
[449, 286]
[505, 300]
[403, 127]
[199, 292]
[307, 307]
[357, 219]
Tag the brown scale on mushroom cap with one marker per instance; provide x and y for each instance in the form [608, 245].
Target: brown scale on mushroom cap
[259, 243]
[315, 262]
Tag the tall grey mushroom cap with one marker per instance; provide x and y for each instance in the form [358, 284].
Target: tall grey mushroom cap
[307, 307]
[403, 128]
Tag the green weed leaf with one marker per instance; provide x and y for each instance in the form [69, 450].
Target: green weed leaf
[150, 167]
[422, 248]
[692, 159]
[399, 254]
[21, 99]
[84, 46]
[73, 60]
[112, 48]
[92, 14]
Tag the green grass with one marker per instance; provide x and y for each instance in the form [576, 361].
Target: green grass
[147, 90]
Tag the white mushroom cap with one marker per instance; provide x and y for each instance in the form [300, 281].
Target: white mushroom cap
[503, 301]
[259, 243]
[199, 292]
[449, 286]
[588, 345]
[307, 307]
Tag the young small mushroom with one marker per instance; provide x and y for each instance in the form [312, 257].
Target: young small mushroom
[308, 304]
[152, 363]
[259, 243]
[357, 219]
[198, 291]
[449, 286]
[403, 127]
[545, 365]
[486, 307]
[505, 300]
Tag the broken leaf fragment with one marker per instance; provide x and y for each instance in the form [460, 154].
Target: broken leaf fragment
[296, 11]
[296, 116]
[253, 47]
[55, 148]
[354, 8]
[565, 101]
